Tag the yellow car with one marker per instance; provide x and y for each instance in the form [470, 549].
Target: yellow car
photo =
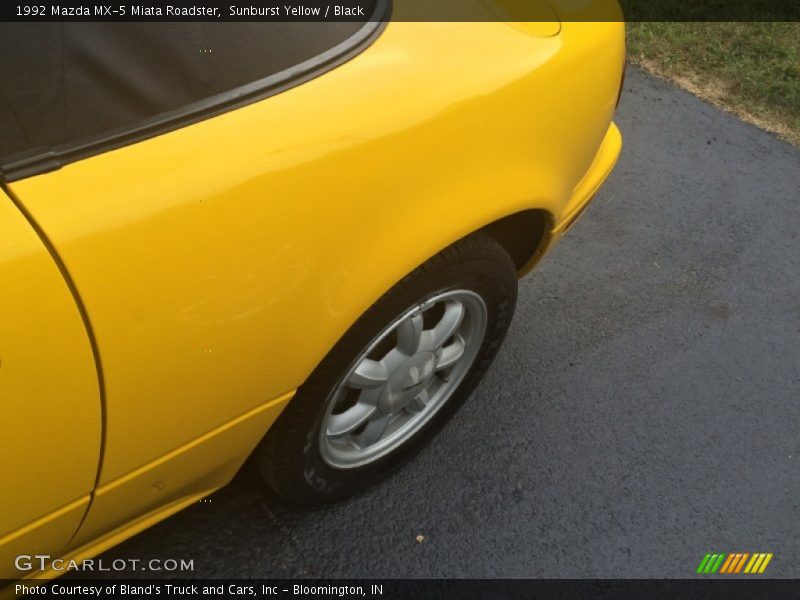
[299, 242]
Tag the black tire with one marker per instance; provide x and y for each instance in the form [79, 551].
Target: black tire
[289, 459]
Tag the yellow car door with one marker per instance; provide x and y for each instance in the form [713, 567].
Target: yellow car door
[50, 401]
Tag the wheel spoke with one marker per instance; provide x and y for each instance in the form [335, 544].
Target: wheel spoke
[352, 418]
[374, 429]
[447, 326]
[450, 354]
[368, 374]
[409, 334]
[418, 403]
[394, 359]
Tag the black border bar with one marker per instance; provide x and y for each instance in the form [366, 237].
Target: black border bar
[405, 10]
[733, 588]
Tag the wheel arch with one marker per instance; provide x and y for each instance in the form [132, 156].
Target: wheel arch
[522, 234]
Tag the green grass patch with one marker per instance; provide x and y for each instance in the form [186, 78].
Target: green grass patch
[751, 69]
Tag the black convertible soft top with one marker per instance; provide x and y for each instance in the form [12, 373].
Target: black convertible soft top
[73, 89]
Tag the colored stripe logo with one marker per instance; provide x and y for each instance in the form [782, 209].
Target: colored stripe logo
[738, 562]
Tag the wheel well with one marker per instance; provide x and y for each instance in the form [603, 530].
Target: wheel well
[520, 234]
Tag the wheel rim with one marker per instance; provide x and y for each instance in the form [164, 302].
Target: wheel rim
[403, 377]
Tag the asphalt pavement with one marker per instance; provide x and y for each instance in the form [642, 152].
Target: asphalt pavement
[645, 409]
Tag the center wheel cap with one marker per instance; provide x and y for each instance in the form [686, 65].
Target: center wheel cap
[407, 382]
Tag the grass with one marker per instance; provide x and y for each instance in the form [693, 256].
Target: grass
[749, 69]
